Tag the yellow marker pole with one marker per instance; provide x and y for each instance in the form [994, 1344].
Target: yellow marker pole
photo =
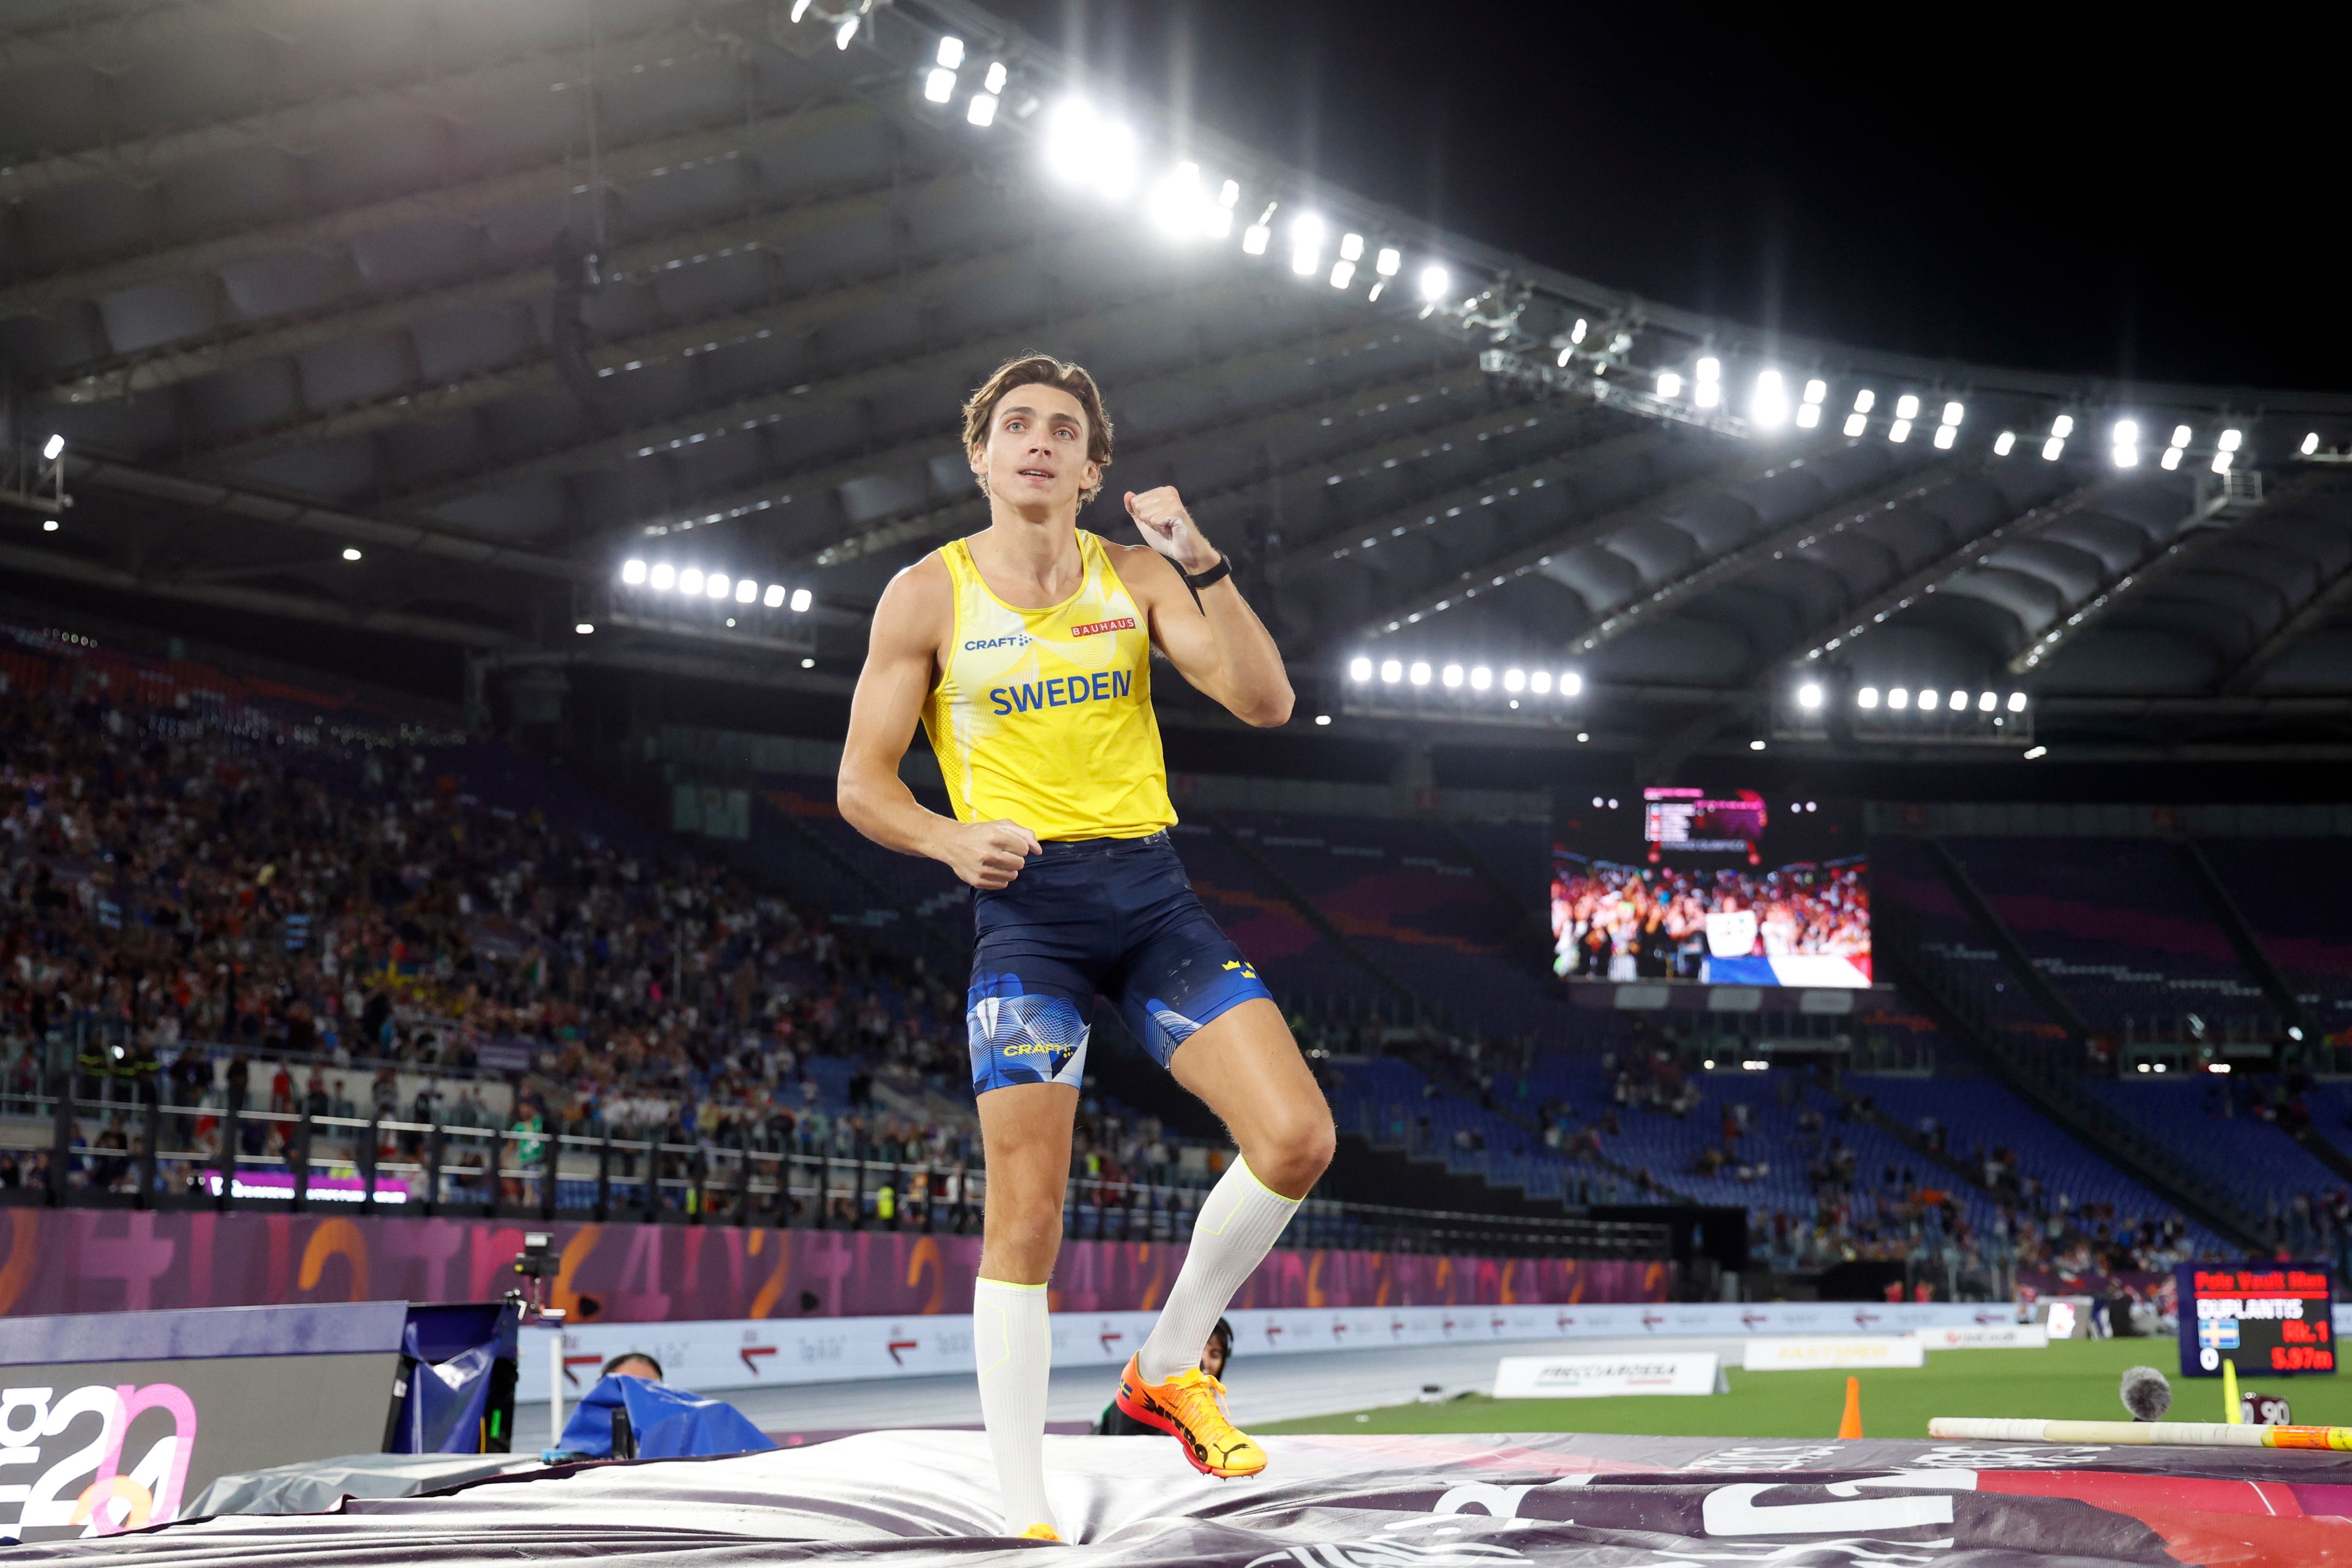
[2232, 1413]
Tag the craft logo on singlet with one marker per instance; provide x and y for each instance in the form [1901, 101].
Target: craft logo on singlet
[1124, 624]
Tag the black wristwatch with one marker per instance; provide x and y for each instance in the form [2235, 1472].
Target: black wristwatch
[1217, 574]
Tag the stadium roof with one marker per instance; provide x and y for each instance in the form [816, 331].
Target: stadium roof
[428, 318]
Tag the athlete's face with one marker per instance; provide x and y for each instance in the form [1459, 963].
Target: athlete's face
[1036, 451]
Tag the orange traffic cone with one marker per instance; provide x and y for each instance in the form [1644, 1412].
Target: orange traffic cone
[1850, 1424]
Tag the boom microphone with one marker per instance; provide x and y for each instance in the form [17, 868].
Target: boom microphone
[2146, 1392]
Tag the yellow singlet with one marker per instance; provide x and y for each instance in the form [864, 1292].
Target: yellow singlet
[1043, 717]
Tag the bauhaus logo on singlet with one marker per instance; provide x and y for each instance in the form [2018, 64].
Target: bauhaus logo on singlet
[1062, 691]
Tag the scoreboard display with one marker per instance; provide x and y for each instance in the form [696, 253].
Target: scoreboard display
[2269, 1317]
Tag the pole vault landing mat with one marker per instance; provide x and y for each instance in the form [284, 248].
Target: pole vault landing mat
[910, 1499]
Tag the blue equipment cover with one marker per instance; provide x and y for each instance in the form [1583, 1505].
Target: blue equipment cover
[670, 1423]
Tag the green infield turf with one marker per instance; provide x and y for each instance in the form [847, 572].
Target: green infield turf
[2072, 1380]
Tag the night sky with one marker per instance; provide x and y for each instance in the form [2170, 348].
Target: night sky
[2138, 193]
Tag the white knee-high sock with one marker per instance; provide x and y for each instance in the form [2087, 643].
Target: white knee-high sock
[1013, 1345]
[1237, 1227]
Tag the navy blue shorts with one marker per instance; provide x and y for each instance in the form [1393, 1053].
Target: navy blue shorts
[1108, 916]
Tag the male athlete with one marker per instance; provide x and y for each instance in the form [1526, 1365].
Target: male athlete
[1026, 652]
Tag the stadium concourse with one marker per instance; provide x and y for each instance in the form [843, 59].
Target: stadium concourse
[1773, 830]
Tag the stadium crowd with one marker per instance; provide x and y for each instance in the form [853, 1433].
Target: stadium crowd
[1612, 921]
[206, 904]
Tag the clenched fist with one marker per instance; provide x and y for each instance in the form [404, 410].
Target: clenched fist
[1160, 516]
[989, 855]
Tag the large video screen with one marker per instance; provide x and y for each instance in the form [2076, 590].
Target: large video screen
[1694, 888]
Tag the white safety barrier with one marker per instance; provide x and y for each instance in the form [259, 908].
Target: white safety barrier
[712, 1357]
[1596, 1376]
[1815, 1352]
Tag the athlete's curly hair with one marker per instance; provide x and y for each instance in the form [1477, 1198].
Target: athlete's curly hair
[1039, 370]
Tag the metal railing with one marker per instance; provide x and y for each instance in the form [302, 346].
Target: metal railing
[81, 1151]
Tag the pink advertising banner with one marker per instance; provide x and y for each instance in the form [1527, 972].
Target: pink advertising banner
[103, 1260]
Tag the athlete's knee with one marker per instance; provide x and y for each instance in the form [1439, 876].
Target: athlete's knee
[1023, 1234]
[1294, 1149]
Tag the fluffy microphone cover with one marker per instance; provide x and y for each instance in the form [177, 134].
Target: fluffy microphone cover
[2145, 1392]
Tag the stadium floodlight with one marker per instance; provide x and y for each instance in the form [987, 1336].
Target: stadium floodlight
[1436, 283]
[1481, 678]
[2310, 443]
[1865, 401]
[633, 572]
[2017, 701]
[2231, 440]
[716, 584]
[53, 448]
[938, 84]
[1957, 703]
[1817, 390]
[2035, 753]
[1514, 680]
[846, 34]
[1899, 432]
[746, 591]
[1954, 412]
[1342, 274]
[1709, 368]
[1418, 674]
[661, 577]
[1576, 333]
[2181, 435]
[2171, 459]
[951, 52]
[1570, 683]
[1707, 393]
[800, 9]
[2222, 461]
[1754, 745]
[689, 581]
[1987, 701]
[2126, 456]
[1450, 677]
[1808, 416]
[1219, 222]
[1897, 697]
[1359, 669]
[351, 553]
[774, 597]
[1352, 246]
[1229, 194]
[1669, 383]
[982, 111]
[2063, 426]
[1253, 239]
[1069, 128]
[1306, 245]
[1390, 671]
[1176, 201]
[2052, 447]
[1866, 697]
[993, 82]
[2004, 444]
[1323, 719]
[1855, 424]
[1808, 695]
[1907, 406]
[1770, 405]
[1929, 699]
[1539, 682]
[802, 600]
[2126, 433]
[1945, 436]
[585, 628]
[1390, 261]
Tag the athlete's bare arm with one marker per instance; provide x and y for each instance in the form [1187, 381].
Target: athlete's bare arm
[901, 656]
[1219, 645]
